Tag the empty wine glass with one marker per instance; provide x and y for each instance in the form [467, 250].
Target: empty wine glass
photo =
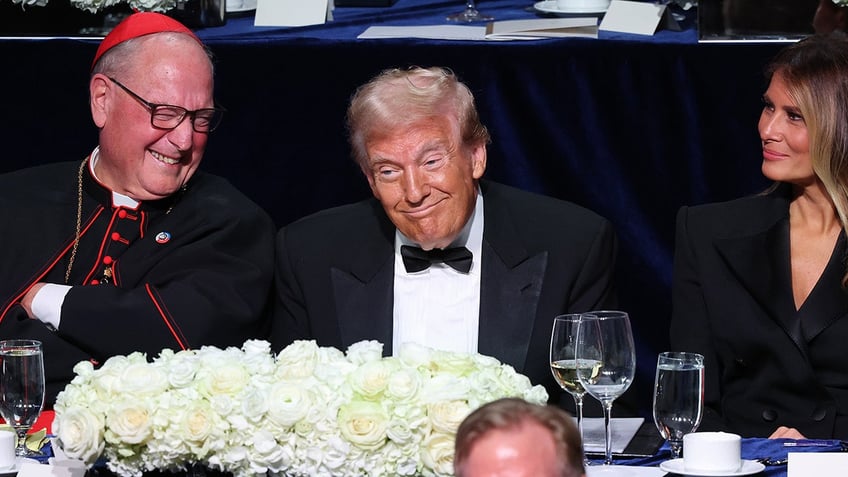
[21, 387]
[678, 396]
[470, 14]
[564, 363]
[605, 339]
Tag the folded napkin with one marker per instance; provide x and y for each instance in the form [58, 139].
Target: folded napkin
[34, 441]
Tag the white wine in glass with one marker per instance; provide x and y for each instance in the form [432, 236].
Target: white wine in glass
[470, 14]
[678, 396]
[605, 337]
[21, 387]
[564, 363]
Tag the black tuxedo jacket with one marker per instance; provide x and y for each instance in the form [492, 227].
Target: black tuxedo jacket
[541, 257]
[767, 364]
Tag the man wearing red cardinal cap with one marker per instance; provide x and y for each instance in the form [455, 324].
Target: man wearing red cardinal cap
[132, 248]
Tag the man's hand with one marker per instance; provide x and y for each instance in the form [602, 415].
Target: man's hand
[26, 302]
[784, 432]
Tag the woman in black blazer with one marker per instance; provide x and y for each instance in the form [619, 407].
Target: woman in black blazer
[759, 282]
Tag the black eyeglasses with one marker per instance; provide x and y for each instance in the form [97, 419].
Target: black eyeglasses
[168, 116]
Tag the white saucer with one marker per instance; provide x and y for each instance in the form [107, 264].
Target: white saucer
[675, 466]
[241, 9]
[550, 6]
[622, 471]
[18, 463]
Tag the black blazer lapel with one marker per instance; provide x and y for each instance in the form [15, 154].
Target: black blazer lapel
[364, 293]
[510, 286]
[761, 264]
[826, 303]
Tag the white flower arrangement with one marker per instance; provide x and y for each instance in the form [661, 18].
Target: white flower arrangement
[841, 3]
[308, 411]
[94, 6]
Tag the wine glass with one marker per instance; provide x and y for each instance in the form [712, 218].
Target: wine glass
[564, 363]
[21, 387]
[678, 396]
[605, 339]
[470, 14]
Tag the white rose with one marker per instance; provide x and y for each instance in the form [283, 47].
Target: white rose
[365, 352]
[400, 432]
[437, 454]
[371, 378]
[403, 385]
[287, 404]
[297, 360]
[80, 434]
[415, 355]
[363, 424]
[181, 368]
[128, 422]
[228, 378]
[258, 358]
[142, 379]
[447, 415]
[459, 364]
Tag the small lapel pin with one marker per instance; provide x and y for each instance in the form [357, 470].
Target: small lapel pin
[163, 237]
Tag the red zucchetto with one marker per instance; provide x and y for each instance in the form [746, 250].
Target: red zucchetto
[140, 24]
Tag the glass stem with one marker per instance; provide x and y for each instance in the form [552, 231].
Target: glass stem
[607, 432]
[676, 447]
[578, 409]
[21, 449]
[469, 5]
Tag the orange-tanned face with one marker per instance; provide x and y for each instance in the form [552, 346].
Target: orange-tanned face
[426, 179]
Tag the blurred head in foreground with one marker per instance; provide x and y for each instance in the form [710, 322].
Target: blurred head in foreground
[515, 438]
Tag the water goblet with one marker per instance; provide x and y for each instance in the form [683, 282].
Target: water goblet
[470, 14]
[606, 339]
[678, 396]
[21, 388]
[564, 363]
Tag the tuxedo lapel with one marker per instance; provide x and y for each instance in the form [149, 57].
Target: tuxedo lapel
[363, 292]
[510, 286]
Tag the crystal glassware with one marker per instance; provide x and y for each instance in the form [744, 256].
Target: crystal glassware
[678, 396]
[605, 339]
[564, 362]
[470, 14]
[21, 387]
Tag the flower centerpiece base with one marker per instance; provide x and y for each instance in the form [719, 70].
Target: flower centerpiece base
[306, 411]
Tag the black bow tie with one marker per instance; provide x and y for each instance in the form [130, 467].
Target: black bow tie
[415, 259]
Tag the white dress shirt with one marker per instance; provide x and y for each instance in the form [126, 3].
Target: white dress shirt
[440, 307]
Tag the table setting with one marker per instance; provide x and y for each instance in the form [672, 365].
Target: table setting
[592, 353]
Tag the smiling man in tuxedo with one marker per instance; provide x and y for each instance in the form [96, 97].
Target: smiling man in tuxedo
[439, 257]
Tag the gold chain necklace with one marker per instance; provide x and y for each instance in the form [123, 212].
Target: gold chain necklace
[79, 222]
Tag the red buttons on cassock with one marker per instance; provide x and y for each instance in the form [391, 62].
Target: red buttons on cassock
[95, 282]
[107, 260]
[122, 214]
[116, 236]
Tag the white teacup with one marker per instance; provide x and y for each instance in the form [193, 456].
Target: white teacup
[582, 5]
[7, 450]
[717, 452]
